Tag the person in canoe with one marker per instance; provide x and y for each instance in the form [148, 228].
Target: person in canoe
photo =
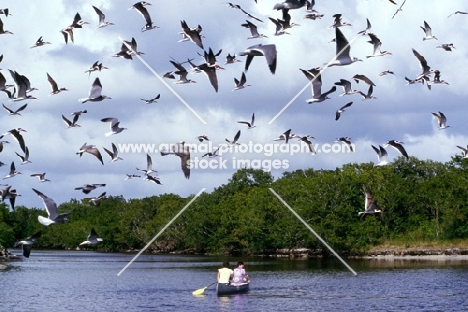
[239, 275]
[225, 274]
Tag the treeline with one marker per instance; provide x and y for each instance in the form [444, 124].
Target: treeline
[423, 201]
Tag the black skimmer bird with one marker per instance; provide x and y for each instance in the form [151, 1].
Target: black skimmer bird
[40, 42]
[15, 112]
[346, 84]
[280, 28]
[96, 201]
[457, 12]
[368, 95]
[102, 18]
[153, 179]
[315, 77]
[193, 34]
[53, 217]
[114, 126]
[290, 4]
[441, 120]
[54, 86]
[93, 238]
[306, 140]
[96, 67]
[338, 22]
[286, 136]
[16, 134]
[202, 138]
[446, 46]
[13, 172]
[24, 159]
[67, 33]
[236, 138]
[381, 155]
[367, 30]
[78, 22]
[153, 100]
[5, 11]
[398, 145]
[427, 31]
[87, 188]
[253, 30]
[2, 30]
[363, 78]
[131, 176]
[240, 84]
[212, 154]
[179, 149]
[27, 243]
[375, 41]
[1, 145]
[22, 87]
[436, 79]
[386, 72]
[181, 72]
[4, 87]
[210, 71]
[341, 110]
[231, 59]
[129, 49]
[141, 8]
[113, 154]
[464, 151]
[72, 123]
[41, 177]
[236, 6]
[11, 194]
[91, 149]
[149, 165]
[400, 9]
[250, 124]
[347, 142]
[95, 93]
[370, 204]
[343, 49]
[266, 50]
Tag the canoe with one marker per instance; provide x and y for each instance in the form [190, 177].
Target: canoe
[231, 289]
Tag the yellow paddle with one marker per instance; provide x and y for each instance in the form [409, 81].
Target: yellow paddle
[201, 290]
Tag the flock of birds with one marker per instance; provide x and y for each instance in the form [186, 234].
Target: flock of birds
[20, 89]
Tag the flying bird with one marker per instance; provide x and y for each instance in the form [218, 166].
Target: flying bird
[315, 77]
[102, 18]
[40, 176]
[347, 142]
[193, 34]
[346, 84]
[27, 243]
[25, 158]
[446, 46]
[53, 217]
[40, 42]
[464, 151]
[22, 87]
[96, 201]
[306, 140]
[2, 30]
[441, 120]
[95, 93]
[343, 49]
[93, 238]
[11, 194]
[364, 78]
[113, 154]
[427, 31]
[266, 50]
[240, 84]
[183, 151]
[153, 100]
[87, 188]
[16, 134]
[141, 8]
[149, 165]
[15, 112]
[337, 22]
[398, 145]
[370, 204]
[54, 86]
[95, 67]
[13, 172]
[236, 138]
[73, 123]
[114, 126]
[367, 30]
[368, 95]
[250, 124]
[381, 155]
[91, 149]
[341, 110]
[375, 41]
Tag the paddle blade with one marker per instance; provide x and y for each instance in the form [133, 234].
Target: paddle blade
[199, 292]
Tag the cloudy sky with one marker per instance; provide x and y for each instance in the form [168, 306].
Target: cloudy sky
[400, 112]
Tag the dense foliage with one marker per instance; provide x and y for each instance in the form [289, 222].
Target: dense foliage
[422, 201]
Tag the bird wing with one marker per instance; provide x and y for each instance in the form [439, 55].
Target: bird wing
[96, 89]
[49, 205]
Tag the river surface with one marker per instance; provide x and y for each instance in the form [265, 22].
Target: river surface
[88, 281]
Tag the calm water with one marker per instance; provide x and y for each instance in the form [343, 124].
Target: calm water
[79, 281]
